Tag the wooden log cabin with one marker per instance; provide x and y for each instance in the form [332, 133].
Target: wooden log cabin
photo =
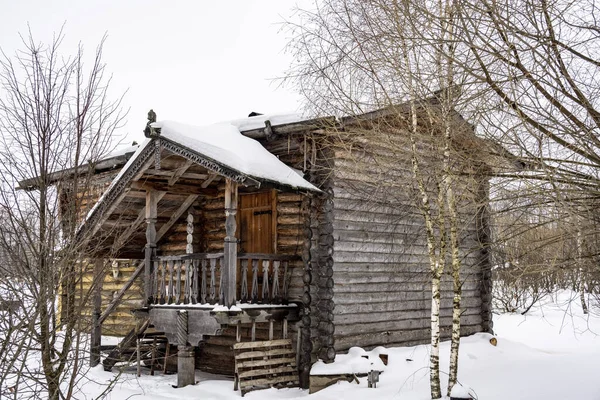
[273, 228]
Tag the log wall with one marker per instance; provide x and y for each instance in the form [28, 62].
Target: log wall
[381, 273]
[121, 320]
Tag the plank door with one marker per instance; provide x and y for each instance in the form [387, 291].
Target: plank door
[257, 219]
[257, 231]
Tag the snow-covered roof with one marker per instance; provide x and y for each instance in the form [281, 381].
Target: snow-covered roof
[224, 144]
[258, 121]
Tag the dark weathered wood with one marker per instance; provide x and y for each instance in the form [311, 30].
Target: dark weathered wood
[254, 280]
[264, 363]
[244, 284]
[150, 250]
[213, 281]
[229, 266]
[170, 292]
[265, 284]
[187, 298]
[135, 225]
[178, 282]
[275, 291]
[176, 188]
[176, 215]
[203, 292]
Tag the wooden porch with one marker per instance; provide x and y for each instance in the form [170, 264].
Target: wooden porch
[197, 279]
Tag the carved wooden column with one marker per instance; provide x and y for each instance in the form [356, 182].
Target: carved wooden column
[230, 249]
[151, 204]
[189, 247]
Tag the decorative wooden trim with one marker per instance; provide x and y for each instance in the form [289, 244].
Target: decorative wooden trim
[204, 161]
[115, 193]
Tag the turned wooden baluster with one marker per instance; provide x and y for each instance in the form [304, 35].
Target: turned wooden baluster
[178, 265]
[275, 294]
[203, 282]
[213, 280]
[188, 282]
[286, 281]
[255, 281]
[171, 273]
[195, 277]
[265, 287]
[221, 286]
[155, 283]
[244, 288]
[163, 281]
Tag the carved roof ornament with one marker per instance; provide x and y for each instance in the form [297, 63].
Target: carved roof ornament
[149, 131]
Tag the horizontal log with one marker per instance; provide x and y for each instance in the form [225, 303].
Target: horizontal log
[408, 324]
[290, 219]
[395, 285]
[369, 317]
[407, 305]
[343, 256]
[283, 197]
[376, 297]
[289, 208]
[395, 338]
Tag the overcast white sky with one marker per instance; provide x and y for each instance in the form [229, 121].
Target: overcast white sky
[192, 61]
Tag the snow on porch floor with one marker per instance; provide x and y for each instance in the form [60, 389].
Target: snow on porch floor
[552, 353]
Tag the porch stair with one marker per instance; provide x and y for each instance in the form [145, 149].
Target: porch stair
[141, 345]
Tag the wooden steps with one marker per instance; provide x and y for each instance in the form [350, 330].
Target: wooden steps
[264, 364]
[143, 345]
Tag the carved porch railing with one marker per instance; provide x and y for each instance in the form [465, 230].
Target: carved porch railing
[198, 279]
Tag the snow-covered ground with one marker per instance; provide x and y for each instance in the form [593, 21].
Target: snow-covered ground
[552, 353]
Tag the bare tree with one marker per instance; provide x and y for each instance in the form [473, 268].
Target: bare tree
[356, 56]
[56, 120]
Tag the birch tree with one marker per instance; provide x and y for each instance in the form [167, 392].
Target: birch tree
[356, 56]
[56, 120]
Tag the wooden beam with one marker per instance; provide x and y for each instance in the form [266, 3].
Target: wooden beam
[176, 215]
[117, 298]
[120, 241]
[150, 251]
[176, 189]
[208, 181]
[180, 171]
[165, 173]
[230, 246]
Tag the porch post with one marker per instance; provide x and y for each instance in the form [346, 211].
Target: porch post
[150, 251]
[230, 248]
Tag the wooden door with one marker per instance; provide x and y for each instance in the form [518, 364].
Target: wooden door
[257, 222]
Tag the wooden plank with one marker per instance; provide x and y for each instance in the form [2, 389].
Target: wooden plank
[265, 353]
[209, 180]
[293, 379]
[117, 298]
[180, 171]
[272, 361]
[266, 371]
[265, 343]
[176, 188]
[133, 227]
[176, 215]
